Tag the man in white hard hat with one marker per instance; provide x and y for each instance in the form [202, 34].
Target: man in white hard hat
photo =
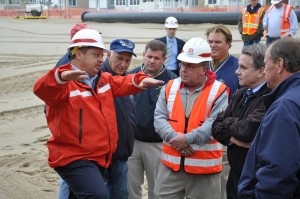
[174, 45]
[280, 21]
[81, 114]
[191, 162]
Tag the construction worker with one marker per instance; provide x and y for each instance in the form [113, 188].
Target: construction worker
[280, 21]
[250, 23]
[81, 114]
[174, 45]
[191, 162]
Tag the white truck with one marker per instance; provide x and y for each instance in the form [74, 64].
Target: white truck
[35, 9]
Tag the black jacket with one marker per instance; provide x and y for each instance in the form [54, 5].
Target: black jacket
[126, 120]
[145, 104]
[180, 44]
[240, 121]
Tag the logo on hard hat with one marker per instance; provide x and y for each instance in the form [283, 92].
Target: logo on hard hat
[190, 51]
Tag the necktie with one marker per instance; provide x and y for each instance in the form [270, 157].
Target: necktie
[249, 95]
[169, 52]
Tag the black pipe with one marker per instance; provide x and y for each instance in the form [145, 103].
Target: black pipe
[159, 17]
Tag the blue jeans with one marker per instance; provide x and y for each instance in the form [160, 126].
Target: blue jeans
[248, 43]
[271, 40]
[116, 179]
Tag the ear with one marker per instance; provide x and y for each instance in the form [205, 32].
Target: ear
[204, 69]
[261, 72]
[164, 58]
[280, 65]
[78, 54]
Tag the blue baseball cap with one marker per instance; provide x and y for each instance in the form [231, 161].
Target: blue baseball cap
[122, 45]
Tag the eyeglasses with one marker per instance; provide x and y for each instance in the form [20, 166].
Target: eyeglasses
[189, 66]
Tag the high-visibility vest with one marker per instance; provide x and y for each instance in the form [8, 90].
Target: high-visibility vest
[285, 23]
[207, 159]
[251, 21]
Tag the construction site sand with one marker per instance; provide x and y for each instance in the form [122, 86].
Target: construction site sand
[29, 48]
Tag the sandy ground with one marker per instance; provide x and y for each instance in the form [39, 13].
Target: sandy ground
[28, 48]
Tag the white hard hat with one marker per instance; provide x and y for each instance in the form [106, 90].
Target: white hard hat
[87, 37]
[195, 50]
[171, 22]
[275, 1]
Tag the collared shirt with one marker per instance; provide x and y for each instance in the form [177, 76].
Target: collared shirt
[273, 19]
[89, 81]
[161, 70]
[172, 64]
[214, 66]
[257, 87]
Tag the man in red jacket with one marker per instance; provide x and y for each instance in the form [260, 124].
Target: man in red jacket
[81, 114]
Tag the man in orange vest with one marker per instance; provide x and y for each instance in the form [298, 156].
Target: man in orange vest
[280, 20]
[250, 23]
[191, 161]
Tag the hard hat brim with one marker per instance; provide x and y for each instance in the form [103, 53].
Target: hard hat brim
[193, 60]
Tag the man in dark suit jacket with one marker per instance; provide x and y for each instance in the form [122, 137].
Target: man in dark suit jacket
[174, 45]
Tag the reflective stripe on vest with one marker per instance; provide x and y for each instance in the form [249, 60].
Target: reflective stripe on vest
[285, 24]
[173, 91]
[207, 159]
[251, 21]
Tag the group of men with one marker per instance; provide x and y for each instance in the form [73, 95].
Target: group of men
[279, 20]
[168, 117]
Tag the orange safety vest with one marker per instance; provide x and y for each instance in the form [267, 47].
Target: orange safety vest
[285, 23]
[251, 21]
[207, 159]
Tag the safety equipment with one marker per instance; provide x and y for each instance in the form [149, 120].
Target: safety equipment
[207, 158]
[87, 37]
[275, 1]
[171, 22]
[251, 21]
[285, 22]
[195, 51]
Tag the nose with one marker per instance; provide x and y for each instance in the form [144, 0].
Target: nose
[152, 60]
[100, 58]
[212, 44]
[237, 71]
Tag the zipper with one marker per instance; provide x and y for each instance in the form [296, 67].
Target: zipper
[80, 126]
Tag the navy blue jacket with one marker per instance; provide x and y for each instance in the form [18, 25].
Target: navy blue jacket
[226, 73]
[126, 120]
[145, 104]
[64, 60]
[272, 166]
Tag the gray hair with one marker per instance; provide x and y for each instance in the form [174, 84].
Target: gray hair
[257, 52]
[289, 50]
[156, 45]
